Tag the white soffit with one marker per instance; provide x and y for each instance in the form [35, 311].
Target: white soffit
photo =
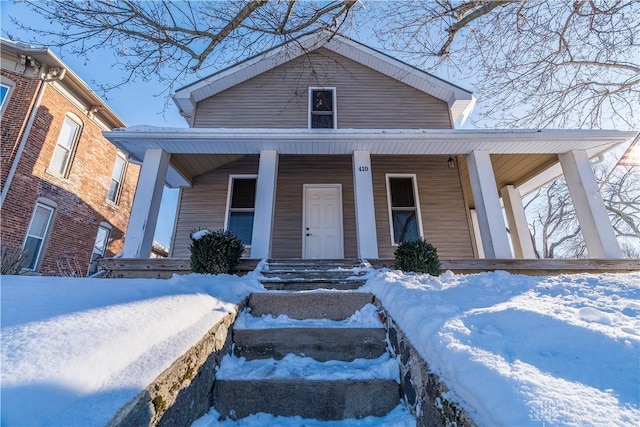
[459, 100]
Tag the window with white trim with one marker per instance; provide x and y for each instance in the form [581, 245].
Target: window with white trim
[241, 206]
[4, 93]
[322, 108]
[404, 212]
[36, 235]
[6, 88]
[99, 247]
[117, 176]
[65, 146]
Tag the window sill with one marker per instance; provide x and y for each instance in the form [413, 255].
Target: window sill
[56, 174]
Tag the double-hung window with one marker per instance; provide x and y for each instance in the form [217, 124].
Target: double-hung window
[65, 146]
[322, 108]
[241, 206]
[404, 212]
[99, 247]
[117, 176]
[36, 234]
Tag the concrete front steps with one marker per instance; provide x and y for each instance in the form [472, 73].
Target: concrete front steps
[300, 274]
[331, 369]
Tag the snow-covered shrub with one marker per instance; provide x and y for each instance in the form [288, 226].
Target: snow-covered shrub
[419, 256]
[215, 252]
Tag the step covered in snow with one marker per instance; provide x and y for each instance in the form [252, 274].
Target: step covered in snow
[361, 335]
[335, 305]
[307, 388]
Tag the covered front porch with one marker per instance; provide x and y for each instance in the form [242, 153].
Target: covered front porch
[492, 166]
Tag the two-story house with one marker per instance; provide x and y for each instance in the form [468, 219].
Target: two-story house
[67, 192]
[326, 148]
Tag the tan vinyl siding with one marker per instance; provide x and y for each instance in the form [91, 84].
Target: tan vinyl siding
[293, 172]
[203, 205]
[365, 98]
[444, 217]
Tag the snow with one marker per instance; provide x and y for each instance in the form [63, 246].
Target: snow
[366, 317]
[200, 234]
[398, 417]
[292, 366]
[74, 351]
[524, 350]
[513, 349]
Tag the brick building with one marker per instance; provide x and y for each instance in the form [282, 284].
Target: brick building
[66, 191]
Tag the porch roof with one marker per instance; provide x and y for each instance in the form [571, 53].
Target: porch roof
[183, 143]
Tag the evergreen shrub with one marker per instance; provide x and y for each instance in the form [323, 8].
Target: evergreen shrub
[215, 252]
[417, 256]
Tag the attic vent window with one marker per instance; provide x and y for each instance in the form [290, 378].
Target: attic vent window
[322, 108]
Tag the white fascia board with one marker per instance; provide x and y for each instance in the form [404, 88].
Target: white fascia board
[376, 141]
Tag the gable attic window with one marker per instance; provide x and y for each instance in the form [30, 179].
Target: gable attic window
[322, 108]
[404, 211]
[65, 147]
[241, 201]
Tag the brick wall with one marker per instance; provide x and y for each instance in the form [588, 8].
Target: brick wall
[81, 196]
[15, 118]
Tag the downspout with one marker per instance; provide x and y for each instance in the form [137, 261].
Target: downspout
[52, 75]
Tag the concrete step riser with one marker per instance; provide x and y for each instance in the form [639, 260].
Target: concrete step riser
[325, 305]
[321, 344]
[327, 275]
[295, 285]
[324, 400]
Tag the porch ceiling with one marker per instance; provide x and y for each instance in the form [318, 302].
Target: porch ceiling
[510, 149]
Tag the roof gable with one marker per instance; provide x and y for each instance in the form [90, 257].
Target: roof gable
[459, 101]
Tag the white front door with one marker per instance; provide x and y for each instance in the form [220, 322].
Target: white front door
[322, 222]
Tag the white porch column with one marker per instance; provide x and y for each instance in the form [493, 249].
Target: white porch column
[365, 210]
[517, 220]
[265, 204]
[493, 233]
[146, 204]
[592, 214]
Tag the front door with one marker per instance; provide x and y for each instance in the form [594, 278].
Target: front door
[322, 222]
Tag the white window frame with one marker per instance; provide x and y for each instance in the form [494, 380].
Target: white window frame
[103, 226]
[119, 180]
[9, 85]
[71, 150]
[335, 105]
[416, 200]
[230, 196]
[52, 210]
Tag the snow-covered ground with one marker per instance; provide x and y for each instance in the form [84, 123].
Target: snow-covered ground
[515, 350]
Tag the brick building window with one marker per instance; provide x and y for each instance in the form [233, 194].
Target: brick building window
[6, 87]
[4, 93]
[117, 176]
[36, 234]
[99, 247]
[65, 147]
